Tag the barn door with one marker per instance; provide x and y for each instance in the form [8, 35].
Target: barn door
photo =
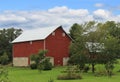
[20, 61]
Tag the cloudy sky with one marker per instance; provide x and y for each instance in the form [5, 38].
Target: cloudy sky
[30, 14]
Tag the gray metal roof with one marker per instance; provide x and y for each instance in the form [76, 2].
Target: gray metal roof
[35, 34]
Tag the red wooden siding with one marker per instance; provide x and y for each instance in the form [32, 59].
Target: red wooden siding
[58, 46]
[25, 49]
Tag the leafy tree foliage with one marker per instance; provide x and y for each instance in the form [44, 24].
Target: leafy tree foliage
[77, 48]
[96, 43]
[93, 43]
[111, 40]
[4, 59]
[6, 37]
[42, 62]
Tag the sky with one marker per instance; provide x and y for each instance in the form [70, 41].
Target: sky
[31, 14]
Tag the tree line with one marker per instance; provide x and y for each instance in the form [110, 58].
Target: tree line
[95, 43]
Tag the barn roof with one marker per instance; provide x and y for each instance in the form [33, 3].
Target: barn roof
[35, 34]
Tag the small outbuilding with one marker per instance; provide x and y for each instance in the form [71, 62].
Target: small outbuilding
[55, 40]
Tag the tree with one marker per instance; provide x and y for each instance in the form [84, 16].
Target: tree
[6, 37]
[77, 47]
[41, 61]
[75, 31]
[111, 47]
[92, 42]
[98, 43]
[110, 52]
[39, 56]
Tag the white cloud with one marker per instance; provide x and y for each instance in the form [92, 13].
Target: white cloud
[78, 12]
[62, 9]
[52, 17]
[102, 14]
[99, 5]
[11, 17]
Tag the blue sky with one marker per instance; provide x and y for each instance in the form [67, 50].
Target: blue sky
[47, 4]
[41, 13]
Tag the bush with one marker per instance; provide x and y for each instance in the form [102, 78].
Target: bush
[72, 72]
[69, 77]
[42, 63]
[34, 58]
[47, 65]
[86, 69]
[118, 70]
[4, 59]
[4, 75]
[101, 73]
[33, 66]
[40, 67]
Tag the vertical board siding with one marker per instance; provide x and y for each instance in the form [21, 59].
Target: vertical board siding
[58, 46]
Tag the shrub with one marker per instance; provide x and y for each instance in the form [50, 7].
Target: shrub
[69, 77]
[4, 75]
[34, 58]
[101, 73]
[33, 66]
[4, 59]
[118, 70]
[109, 67]
[86, 69]
[47, 65]
[41, 61]
[72, 72]
[40, 67]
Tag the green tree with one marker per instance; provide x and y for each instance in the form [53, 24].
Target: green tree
[83, 47]
[75, 31]
[41, 61]
[39, 56]
[110, 53]
[77, 47]
[92, 42]
[96, 43]
[110, 39]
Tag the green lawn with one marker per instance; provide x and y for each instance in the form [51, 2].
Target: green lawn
[28, 75]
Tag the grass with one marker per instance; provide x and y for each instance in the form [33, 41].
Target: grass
[28, 75]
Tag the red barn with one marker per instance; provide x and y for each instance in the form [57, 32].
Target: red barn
[55, 40]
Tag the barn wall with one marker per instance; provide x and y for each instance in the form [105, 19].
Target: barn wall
[25, 49]
[57, 44]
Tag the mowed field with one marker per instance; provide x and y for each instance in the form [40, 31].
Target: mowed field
[27, 75]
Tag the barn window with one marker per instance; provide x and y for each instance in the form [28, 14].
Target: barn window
[53, 33]
[63, 34]
[30, 42]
